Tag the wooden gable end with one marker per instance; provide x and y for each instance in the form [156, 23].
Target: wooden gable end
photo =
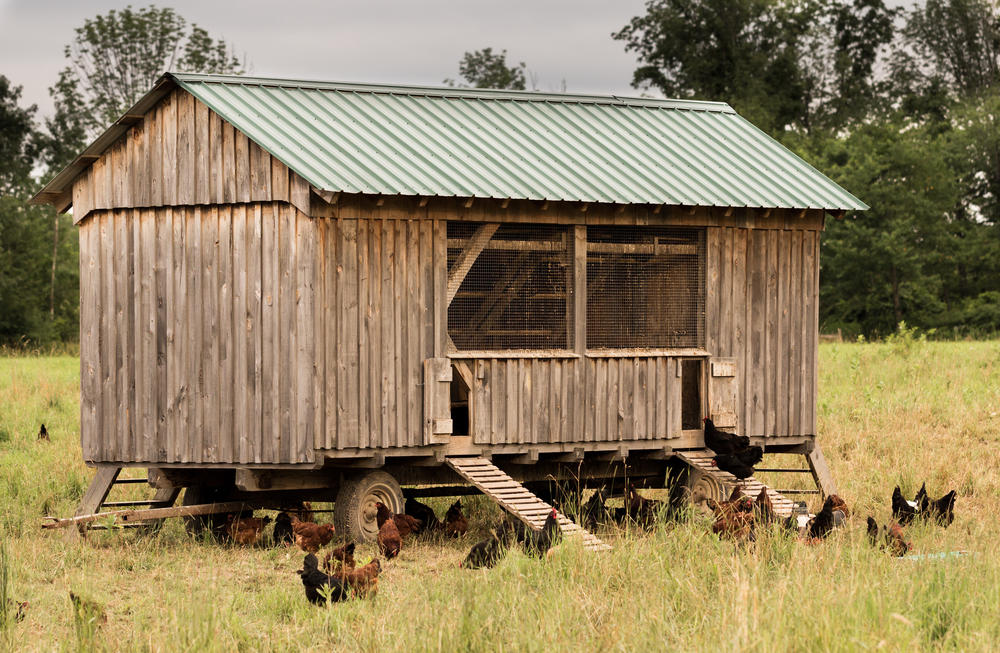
[181, 153]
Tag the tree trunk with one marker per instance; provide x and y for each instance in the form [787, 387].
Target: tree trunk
[897, 310]
[55, 257]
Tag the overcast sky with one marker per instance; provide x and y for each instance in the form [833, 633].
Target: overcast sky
[413, 42]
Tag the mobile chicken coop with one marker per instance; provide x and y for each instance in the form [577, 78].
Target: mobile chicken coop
[295, 288]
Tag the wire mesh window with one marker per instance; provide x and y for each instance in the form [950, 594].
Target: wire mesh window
[514, 295]
[645, 287]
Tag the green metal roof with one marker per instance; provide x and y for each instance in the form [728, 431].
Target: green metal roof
[401, 140]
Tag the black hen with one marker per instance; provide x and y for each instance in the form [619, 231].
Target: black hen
[824, 521]
[902, 511]
[283, 529]
[423, 512]
[43, 433]
[486, 553]
[594, 511]
[922, 499]
[721, 442]
[942, 510]
[317, 583]
[731, 463]
[537, 543]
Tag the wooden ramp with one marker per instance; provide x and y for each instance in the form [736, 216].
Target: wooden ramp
[701, 459]
[517, 500]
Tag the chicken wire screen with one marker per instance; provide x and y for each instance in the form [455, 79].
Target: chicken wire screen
[514, 295]
[645, 287]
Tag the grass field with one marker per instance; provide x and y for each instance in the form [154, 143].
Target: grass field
[901, 412]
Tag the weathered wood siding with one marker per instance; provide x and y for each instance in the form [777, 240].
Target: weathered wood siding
[539, 400]
[762, 309]
[383, 291]
[199, 334]
[181, 153]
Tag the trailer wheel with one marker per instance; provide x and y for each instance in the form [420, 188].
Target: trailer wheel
[354, 510]
[198, 524]
[701, 486]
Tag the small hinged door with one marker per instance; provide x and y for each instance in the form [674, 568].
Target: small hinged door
[722, 392]
[437, 400]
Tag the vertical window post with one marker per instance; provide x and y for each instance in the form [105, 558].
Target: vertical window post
[576, 309]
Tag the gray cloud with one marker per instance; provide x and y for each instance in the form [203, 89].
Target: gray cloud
[374, 41]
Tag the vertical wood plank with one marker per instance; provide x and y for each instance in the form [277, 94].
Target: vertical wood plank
[260, 173]
[425, 292]
[180, 392]
[195, 346]
[252, 319]
[601, 391]
[154, 146]
[541, 392]
[108, 335]
[279, 181]
[136, 319]
[796, 333]
[120, 175]
[388, 380]
[90, 353]
[332, 306]
[364, 331]
[347, 381]
[99, 182]
[404, 436]
[614, 399]
[756, 266]
[240, 344]
[162, 233]
[414, 333]
[725, 314]
[139, 163]
[674, 390]
[216, 172]
[298, 193]
[712, 290]
[228, 173]
[168, 190]
[513, 399]
[377, 436]
[771, 356]
[439, 267]
[210, 334]
[242, 158]
[782, 348]
[304, 359]
[526, 408]
[227, 385]
[202, 152]
[318, 227]
[270, 315]
[741, 288]
[186, 163]
[662, 424]
[811, 265]
[122, 308]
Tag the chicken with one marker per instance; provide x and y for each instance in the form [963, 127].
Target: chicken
[825, 520]
[16, 610]
[922, 500]
[363, 581]
[732, 464]
[889, 538]
[245, 531]
[405, 524]
[764, 509]
[594, 511]
[538, 543]
[455, 523]
[642, 510]
[310, 536]
[319, 586]
[722, 442]
[344, 557]
[389, 540]
[841, 505]
[902, 511]
[43, 433]
[487, 552]
[282, 534]
[942, 510]
[735, 517]
[87, 611]
[422, 512]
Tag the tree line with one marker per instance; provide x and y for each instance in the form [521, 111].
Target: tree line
[899, 105]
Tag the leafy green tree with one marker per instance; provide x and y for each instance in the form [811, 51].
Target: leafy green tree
[745, 52]
[116, 57]
[16, 132]
[486, 69]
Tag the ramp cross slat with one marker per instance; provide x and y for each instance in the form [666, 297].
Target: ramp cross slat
[701, 459]
[517, 499]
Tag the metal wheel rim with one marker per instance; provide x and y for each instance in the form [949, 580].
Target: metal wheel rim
[705, 487]
[366, 512]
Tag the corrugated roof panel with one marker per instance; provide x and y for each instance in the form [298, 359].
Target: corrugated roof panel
[395, 140]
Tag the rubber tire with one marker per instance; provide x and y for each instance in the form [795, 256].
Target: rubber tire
[354, 510]
[197, 524]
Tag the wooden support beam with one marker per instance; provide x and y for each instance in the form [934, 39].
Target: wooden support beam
[98, 489]
[821, 473]
[574, 456]
[423, 202]
[328, 196]
[583, 207]
[529, 458]
[133, 516]
[505, 203]
[468, 202]
[468, 256]
[728, 212]
[657, 209]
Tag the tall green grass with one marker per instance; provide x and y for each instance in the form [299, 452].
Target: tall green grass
[888, 413]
